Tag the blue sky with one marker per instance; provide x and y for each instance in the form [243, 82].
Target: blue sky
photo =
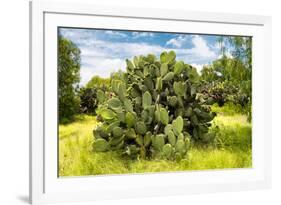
[105, 51]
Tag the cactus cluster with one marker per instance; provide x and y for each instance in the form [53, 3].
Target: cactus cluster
[155, 110]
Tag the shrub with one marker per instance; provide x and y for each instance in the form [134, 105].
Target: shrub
[88, 99]
[155, 110]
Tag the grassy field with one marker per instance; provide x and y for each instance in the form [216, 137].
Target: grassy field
[231, 149]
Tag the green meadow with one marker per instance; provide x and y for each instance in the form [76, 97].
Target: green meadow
[232, 148]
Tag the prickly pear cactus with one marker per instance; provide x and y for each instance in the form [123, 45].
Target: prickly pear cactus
[155, 110]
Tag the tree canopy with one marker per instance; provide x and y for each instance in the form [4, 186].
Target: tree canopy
[97, 81]
[68, 78]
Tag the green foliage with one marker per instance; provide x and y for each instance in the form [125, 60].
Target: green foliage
[155, 109]
[130, 119]
[158, 142]
[178, 125]
[68, 79]
[241, 48]
[90, 97]
[167, 150]
[101, 96]
[98, 82]
[107, 114]
[101, 145]
[88, 100]
[171, 138]
[146, 100]
[93, 93]
[164, 116]
[228, 80]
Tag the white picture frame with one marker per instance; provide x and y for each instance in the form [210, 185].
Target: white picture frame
[46, 187]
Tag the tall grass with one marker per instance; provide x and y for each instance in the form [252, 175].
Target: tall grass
[232, 149]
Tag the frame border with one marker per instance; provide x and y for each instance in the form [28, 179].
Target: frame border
[36, 76]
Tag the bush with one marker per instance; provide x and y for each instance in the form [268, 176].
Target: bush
[88, 99]
[154, 111]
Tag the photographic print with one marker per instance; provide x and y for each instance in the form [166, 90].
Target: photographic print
[145, 101]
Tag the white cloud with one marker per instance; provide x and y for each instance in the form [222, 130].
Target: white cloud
[174, 42]
[177, 42]
[201, 47]
[119, 49]
[133, 49]
[86, 74]
[92, 51]
[102, 67]
[105, 57]
[102, 57]
[200, 50]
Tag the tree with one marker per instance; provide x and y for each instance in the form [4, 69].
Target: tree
[68, 78]
[229, 78]
[239, 47]
[240, 69]
[98, 82]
